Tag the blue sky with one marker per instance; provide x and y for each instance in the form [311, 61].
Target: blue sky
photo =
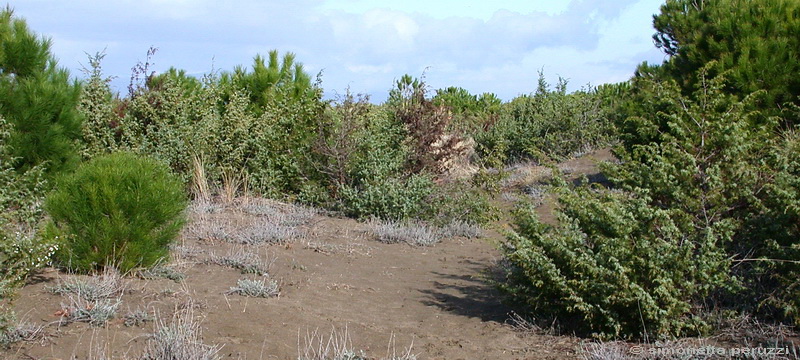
[484, 46]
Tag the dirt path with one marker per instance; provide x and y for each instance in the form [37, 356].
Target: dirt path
[334, 276]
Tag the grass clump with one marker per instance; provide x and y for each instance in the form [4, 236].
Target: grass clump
[22, 332]
[103, 286]
[137, 317]
[244, 260]
[162, 272]
[412, 233]
[255, 288]
[339, 346]
[119, 209]
[179, 340]
[97, 312]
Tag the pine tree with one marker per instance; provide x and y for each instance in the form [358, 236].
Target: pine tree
[755, 42]
[268, 76]
[38, 98]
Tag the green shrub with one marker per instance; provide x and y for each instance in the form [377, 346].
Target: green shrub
[390, 199]
[21, 251]
[754, 43]
[549, 125]
[616, 266]
[97, 107]
[471, 113]
[116, 210]
[462, 202]
[705, 215]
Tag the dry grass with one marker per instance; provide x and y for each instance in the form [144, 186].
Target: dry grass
[338, 346]
[104, 286]
[262, 221]
[263, 288]
[95, 312]
[411, 233]
[245, 259]
[23, 331]
[162, 272]
[180, 339]
[462, 229]
[137, 317]
[199, 180]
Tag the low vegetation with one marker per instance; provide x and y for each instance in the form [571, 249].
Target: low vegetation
[117, 210]
[700, 215]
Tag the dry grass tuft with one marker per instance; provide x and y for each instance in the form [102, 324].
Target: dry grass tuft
[263, 288]
[246, 260]
[180, 339]
[411, 233]
[104, 286]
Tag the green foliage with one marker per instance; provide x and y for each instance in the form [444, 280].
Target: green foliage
[700, 188]
[779, 226]
[156, 122]
[38, 98]
[392, 198]
[707, 155]
[549, 125]
[754, 42]
[97, 107]
[188, 84]
[463, 202]
[615, 266]
[264, 145]
[284, 137]
[266, 78]
[471, 113]
[116, 210]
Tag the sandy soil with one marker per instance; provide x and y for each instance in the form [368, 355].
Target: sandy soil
[334, 276]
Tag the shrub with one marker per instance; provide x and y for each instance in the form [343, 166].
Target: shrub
[427, 125]
[393, 198]
[21, 250]
[549, 125]
[96, 313]
[116, 210]
[471, 113]
[97, 106]
[706, 203]
[615, 266]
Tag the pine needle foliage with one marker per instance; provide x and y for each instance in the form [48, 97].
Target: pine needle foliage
[117, 210]
[38, 98]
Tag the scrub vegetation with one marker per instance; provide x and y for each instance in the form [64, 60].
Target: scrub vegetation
[697, 219]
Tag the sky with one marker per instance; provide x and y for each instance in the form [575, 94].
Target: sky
[496, 46]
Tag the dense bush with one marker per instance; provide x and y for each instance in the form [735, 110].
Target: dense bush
[270, 80]
[21, 251]
[615, 266]
[471, 113]
[100, 127]
[549, 125]
[642, 260]
[392, 198]
[116, 210]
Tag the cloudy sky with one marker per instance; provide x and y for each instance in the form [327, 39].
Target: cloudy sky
[484, 46]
